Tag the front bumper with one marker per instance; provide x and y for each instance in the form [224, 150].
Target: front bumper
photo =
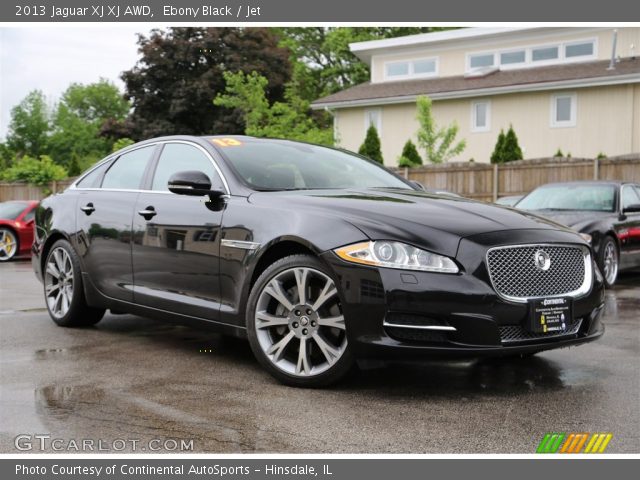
[387, 311]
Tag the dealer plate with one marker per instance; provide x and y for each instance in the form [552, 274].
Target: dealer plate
[550, 315]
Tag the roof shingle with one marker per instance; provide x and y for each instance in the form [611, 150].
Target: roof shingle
[501, 78]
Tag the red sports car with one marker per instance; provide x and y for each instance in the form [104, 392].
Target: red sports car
[16, 228]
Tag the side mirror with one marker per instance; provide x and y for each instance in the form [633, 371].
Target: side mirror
[418, 185]
[192, 182]
[633, 208]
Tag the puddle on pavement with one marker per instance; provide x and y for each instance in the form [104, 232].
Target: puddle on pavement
[60, 401]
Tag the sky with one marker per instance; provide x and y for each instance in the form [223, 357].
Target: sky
[50, 58]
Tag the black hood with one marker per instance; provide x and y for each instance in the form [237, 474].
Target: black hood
[433, 221]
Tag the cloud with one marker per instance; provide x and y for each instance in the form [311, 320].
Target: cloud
[50, 58]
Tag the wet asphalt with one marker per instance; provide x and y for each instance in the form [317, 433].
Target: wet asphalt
[135, 380]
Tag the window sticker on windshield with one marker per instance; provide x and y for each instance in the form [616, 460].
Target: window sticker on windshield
[226, 142]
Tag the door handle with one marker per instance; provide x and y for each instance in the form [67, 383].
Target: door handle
[148, 213]
[88, 208]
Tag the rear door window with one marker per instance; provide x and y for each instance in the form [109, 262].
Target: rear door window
[127, 172]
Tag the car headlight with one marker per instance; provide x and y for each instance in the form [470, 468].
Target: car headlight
[586, 237]
[396, 255]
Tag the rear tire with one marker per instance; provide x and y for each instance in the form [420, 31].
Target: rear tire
[295, 323]
[9, 245]
[609, 260]
[63, 291]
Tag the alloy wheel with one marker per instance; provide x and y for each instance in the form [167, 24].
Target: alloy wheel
[8, 245]
[610, 262]
[299, 322]
[58, 282]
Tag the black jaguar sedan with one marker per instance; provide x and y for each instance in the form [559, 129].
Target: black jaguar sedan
[320, 257]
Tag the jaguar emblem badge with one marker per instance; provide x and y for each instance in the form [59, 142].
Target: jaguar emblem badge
[541, 260]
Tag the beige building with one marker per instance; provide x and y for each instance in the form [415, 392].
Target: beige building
[554, 85]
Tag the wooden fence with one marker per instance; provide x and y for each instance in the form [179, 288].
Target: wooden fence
[24, 191]
[480, 181]
[488, 182]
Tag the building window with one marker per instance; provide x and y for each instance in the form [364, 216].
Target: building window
[373, 116]
[563, 110]
[514, 57]
[397, 69]
[423, 67]
[542, 54]
[576, 51]
[582, 49]
[481, 116]
[481, 60]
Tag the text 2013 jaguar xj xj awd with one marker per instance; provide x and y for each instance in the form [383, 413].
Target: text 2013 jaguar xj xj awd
[319, 256]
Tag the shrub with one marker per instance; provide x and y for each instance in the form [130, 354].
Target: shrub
[410, 156]
[35, 171]
[371, 146]
[559, 153]
[511, 149]
[438, 142]
[497, 155]
[121, 143]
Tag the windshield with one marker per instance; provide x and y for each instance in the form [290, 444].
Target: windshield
[11, 210]
[286, 165]
[600, 198]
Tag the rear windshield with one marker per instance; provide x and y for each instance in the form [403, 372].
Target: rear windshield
[286, 165]
[12, 210]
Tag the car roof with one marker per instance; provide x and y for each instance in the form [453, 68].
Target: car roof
[589, 182]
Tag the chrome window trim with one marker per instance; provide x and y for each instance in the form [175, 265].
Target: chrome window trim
[584, 289]
[74, 186]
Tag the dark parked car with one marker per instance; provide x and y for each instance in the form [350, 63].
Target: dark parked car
[608, 213]
[318, 256]
[16, 228]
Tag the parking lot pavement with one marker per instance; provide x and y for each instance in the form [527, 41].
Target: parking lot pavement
[133, 379]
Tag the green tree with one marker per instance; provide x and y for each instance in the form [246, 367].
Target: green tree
[121, 143]
[247, 93]
[498, 151]
[29, 126]
[322, 60]
[180, 71]
[511, 148]
[76, 141]
[410, 156]
[370, 148]
[438, 142]
[36, 171]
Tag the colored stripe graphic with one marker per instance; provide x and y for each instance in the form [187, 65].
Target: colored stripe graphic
[550, 443]
[574, 442]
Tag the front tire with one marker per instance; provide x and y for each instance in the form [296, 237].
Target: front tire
[609, 260]
[8, 244]
[63, 290]
[295, 323]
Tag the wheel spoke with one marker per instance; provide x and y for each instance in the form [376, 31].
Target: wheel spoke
[57, 305]
[277, 349]
[266, 320]
[275, 290]
[333, 322]
[330, 353]
[328, 291]
[65, 303]
[301, 280]
[303, 359]
[57, 257]
[49, 289]
[53, 270]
